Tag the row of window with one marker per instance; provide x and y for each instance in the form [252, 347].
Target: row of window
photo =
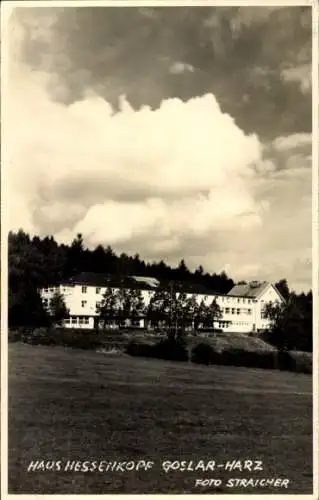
[226, 310]
[77, 320]
[54, 289]
[98, 290]
[223, 325]
[238, 323]
[242, 300]
[241, 323]
[222, 298]
[233, 310]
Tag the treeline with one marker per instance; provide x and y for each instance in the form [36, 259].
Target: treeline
[44, 261]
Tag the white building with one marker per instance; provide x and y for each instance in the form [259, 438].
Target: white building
[241, 308]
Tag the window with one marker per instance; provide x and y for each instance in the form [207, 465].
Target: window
[227, 310]
[67, 321]
[51, 290]
[98, 290]
[81, 320]
[45, 290]
[84, 289]
[249, 301]
[74, 320]
[238, 311]
[83, 303]
[233, 310]
[238, 300]
[86, 321]
[45, 302]
[249, 311]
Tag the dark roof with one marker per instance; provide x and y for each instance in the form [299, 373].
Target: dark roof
[137, 282]
[251, 290]
[190, 287]
[118, 281]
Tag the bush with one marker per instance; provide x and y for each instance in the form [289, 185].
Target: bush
[295, 361]
[15, 335]
[303, 361]
[171, 349]
[203, 354]
[249, 359]
[56, 337]
[164, 349]
[139, 349]
[285, 362]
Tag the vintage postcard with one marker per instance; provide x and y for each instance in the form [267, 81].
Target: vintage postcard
[159, 248]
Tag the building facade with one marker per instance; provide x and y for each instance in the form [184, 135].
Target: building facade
[241, 309]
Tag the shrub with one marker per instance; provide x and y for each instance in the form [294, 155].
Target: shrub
[206, 354]
[164, 349]
[171, 349]
[285, 362]
[15, 335]
[40, 336]
[139, 349]
[295, 361]
[203, 354]
[249, 359]
[57, 337]
[303, 361]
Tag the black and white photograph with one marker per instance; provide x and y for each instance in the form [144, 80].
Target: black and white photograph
[157, 248]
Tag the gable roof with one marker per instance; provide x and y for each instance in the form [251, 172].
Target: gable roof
[251, 290]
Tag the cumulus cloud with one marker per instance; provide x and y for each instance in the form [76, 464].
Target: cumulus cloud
[300, 74]
[179, 67]
[292, 141]
[182, 148]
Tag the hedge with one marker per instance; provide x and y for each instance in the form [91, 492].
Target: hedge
[164, 349]
[56, 337]
[299, 362]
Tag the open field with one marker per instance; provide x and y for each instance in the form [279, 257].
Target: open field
[78, 405]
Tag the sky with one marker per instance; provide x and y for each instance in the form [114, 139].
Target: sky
[171, 132]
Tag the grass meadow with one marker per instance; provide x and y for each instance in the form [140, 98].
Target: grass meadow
[67, 404]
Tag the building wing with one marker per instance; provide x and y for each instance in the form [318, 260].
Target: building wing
[254, 290]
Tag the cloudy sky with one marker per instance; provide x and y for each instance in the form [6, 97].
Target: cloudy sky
[170, 132]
